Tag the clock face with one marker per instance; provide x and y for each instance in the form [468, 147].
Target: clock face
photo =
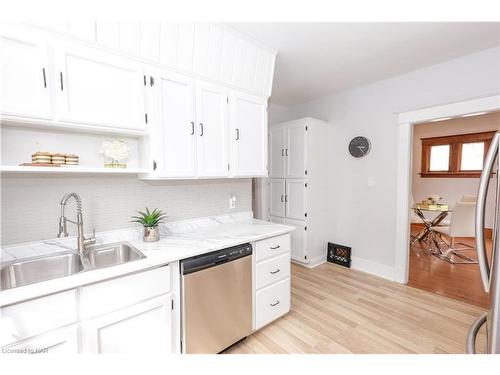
[359, 146]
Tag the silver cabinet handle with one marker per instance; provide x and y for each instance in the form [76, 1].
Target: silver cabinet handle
[192, 127]
[282, 152]
[286, 151]
[275, 247]
[237, 134]
[61, 79]
[282, 198]
[471, 336]
[201, 129]
[480, 210]
[44, 78]
[286, 197]
[275, 303]
[275, 271]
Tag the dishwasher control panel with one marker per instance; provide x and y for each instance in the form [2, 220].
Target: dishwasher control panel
[200, 262]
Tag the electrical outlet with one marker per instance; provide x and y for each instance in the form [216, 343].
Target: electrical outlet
[232, 202]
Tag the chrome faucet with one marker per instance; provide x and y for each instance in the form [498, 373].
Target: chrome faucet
[82, 241]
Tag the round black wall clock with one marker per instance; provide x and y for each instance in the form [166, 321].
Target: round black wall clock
[359, 146]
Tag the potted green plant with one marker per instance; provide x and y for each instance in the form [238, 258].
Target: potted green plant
[150, 221]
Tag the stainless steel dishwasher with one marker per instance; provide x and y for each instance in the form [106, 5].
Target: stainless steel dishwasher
[216, 299]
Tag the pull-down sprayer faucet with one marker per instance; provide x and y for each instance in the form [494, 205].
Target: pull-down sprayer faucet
[82, 241]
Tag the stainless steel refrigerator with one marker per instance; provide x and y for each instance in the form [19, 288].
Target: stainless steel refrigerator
[490, 268]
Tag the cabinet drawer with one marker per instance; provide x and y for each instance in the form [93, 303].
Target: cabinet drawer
[272, 246]
[111, 295]
[40, 315]
[271, 270]
[272, 302]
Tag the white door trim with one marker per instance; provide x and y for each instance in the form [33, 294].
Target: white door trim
[406, 122]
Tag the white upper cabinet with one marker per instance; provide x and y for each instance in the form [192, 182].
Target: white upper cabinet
[176, 125]
[211, 128]
[24, 75]
[277, 146]
[98, 88]
[249, 135]
[295, 151]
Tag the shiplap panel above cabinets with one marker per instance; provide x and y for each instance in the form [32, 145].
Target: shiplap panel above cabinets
[150, 41]
[130, 37]
[207, 50]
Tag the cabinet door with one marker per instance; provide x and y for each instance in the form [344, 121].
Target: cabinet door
[176, 121]
[59, 341]
[25, 88]
[277, 141]
[298, 240]
[98, 88]
[144, 328]
[295, 151]
[211, 117]
[248, 135]
[276, 197]
[295, 199]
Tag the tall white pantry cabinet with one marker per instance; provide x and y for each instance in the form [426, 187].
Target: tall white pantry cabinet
[297, 185]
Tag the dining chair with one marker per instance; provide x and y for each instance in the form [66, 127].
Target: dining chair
[464, 198]
[461, 225]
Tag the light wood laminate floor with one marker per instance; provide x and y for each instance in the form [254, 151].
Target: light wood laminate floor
[340, 310]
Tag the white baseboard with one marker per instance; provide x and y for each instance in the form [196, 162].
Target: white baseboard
[313, 262]
[374, 268]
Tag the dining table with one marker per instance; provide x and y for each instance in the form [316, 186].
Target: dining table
[427, 234]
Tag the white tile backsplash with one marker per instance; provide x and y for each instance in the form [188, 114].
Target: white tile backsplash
[30, 204]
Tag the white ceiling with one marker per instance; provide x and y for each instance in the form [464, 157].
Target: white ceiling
[316, 59]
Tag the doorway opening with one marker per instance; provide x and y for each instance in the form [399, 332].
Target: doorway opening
[448, 156]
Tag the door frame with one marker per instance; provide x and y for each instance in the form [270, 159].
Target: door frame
[406, 120]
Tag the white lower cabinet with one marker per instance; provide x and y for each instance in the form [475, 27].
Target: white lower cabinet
[130, 314]
[144, 328]
[272, 279]
[60, 341]
[272, 302]
[298, 245]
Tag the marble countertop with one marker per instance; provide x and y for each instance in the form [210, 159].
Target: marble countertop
[179, 240]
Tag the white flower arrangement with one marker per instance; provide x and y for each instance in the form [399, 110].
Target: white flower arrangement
[117, 150]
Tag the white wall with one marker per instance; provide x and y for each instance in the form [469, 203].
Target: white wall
[450, 189]
[279, 113]
[30, 205]
[364, 216]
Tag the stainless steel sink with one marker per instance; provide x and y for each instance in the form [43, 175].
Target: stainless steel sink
[107, 255]
[42, 268]
[47, 267]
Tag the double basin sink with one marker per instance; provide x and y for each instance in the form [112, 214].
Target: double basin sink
[47, 267]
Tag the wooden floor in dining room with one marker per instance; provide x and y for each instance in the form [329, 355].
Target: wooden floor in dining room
[340, 310]
[458, 281]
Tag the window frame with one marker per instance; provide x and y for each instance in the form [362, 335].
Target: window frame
[455, 157]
